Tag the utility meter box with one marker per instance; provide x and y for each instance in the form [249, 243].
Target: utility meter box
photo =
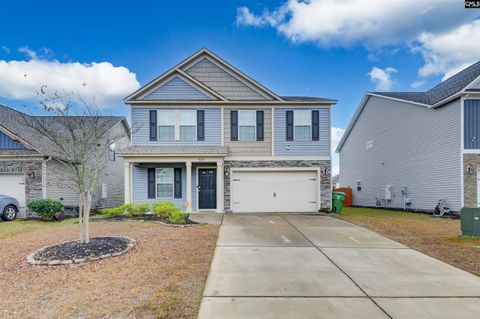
[388, 192]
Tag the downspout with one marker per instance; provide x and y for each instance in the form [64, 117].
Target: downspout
[44, 176]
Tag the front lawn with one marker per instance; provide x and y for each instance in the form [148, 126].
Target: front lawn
[437, 237]
[162, 277]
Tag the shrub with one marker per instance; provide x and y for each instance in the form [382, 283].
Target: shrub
[48, 209]
[164, 209]
[169, 212]
[112, 212]
[177, 217]
[135, 210]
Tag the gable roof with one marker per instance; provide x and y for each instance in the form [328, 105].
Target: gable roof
[13, 123]
[448, 90]
[442, 91]
[191, 69]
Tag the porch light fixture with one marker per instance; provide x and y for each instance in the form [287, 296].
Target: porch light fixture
[470, 169]
[31, 173]
[226, 171]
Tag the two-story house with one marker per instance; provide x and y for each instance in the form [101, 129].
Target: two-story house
[208, 137]
[411, 149]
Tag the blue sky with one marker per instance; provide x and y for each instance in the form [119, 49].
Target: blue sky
[323, 48]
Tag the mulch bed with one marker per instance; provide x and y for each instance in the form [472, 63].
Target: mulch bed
[75, 252]
[146, 218]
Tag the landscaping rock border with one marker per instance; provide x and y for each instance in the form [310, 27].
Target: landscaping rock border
[32, 261]
[104, 220]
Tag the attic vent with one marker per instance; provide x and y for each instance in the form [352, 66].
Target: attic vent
[369, 145]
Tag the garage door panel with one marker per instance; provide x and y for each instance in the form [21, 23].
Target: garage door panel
[275, 191]
[14, 185]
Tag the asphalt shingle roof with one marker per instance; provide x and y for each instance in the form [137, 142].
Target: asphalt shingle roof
[16, 123]
[447, 88]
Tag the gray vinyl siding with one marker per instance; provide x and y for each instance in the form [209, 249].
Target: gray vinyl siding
[176, 89]
[222, 82]
[141, 133]
[249, 148]
[61, 185]
[413, 146]
[471, 118]
[282, 147]
[140, 185]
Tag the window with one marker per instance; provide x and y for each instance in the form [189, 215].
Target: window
[165, 182]
[303, 125]
[111, 152]
[247, 124]
[166, 125]
[174, 125]
[188, 125]
[359, 186]
[104, 191]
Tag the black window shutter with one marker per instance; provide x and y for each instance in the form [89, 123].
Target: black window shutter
[200, 125]
[151, 183]
[234, 125]
[260, 128]
[315, 126]
[153, 125]
[178, 182]
[289, 125]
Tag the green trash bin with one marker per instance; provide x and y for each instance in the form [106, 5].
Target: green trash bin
[470, 221]
[337, 201]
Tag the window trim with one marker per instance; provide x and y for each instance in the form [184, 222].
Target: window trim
[255, 125]
[309, 126]
[173, 182]
[177, 125]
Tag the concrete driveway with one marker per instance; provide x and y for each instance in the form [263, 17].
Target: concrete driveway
[309, 266]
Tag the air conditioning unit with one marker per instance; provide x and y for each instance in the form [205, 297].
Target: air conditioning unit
[388, 192]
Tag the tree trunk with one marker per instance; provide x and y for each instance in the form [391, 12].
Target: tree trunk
[80, 216]
[84, 216]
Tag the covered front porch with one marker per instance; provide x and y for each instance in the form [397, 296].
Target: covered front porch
[194, 182]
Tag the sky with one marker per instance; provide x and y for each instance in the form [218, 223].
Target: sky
[339, 49]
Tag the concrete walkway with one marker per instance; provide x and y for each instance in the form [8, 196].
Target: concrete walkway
[305, 266]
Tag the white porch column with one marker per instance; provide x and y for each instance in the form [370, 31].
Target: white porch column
[220, 195]
[189, 186]
[127, 167]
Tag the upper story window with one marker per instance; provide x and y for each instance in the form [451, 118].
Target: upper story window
[111, 152]
[188, 125]
[177, 125]
[165, 182]
[247, 123]
[303, 125]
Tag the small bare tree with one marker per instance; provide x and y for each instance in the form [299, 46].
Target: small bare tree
[78, 137]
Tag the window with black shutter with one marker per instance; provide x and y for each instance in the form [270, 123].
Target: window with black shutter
[315, 126]
[234, 125]
[260, 126]
[178, 182]
[153, 125]
[200, 125]
[289, 125]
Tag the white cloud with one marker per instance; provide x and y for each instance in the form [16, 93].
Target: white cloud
[337, 133]
[449, 52]
[417, 84]
[443, 31]
[349, 22]
[382, 78]
[102, 81]
[5, 49]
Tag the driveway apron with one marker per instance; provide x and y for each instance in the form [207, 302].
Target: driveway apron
[316, 266]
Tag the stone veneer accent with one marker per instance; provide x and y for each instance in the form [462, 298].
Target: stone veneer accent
[470, 180]
[325, 177]
[33, 184]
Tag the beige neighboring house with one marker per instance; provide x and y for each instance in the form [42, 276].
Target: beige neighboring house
[29, 170]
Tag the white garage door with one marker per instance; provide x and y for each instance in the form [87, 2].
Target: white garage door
[14, 185]
[274, 191]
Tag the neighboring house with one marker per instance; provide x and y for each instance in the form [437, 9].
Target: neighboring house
[29, 170]
[208, 137]
[411, 149]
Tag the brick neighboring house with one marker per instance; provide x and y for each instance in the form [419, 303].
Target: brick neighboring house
[411, 149]
[209, 138]
[29, 170]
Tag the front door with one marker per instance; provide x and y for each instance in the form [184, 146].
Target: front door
[207, 188]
